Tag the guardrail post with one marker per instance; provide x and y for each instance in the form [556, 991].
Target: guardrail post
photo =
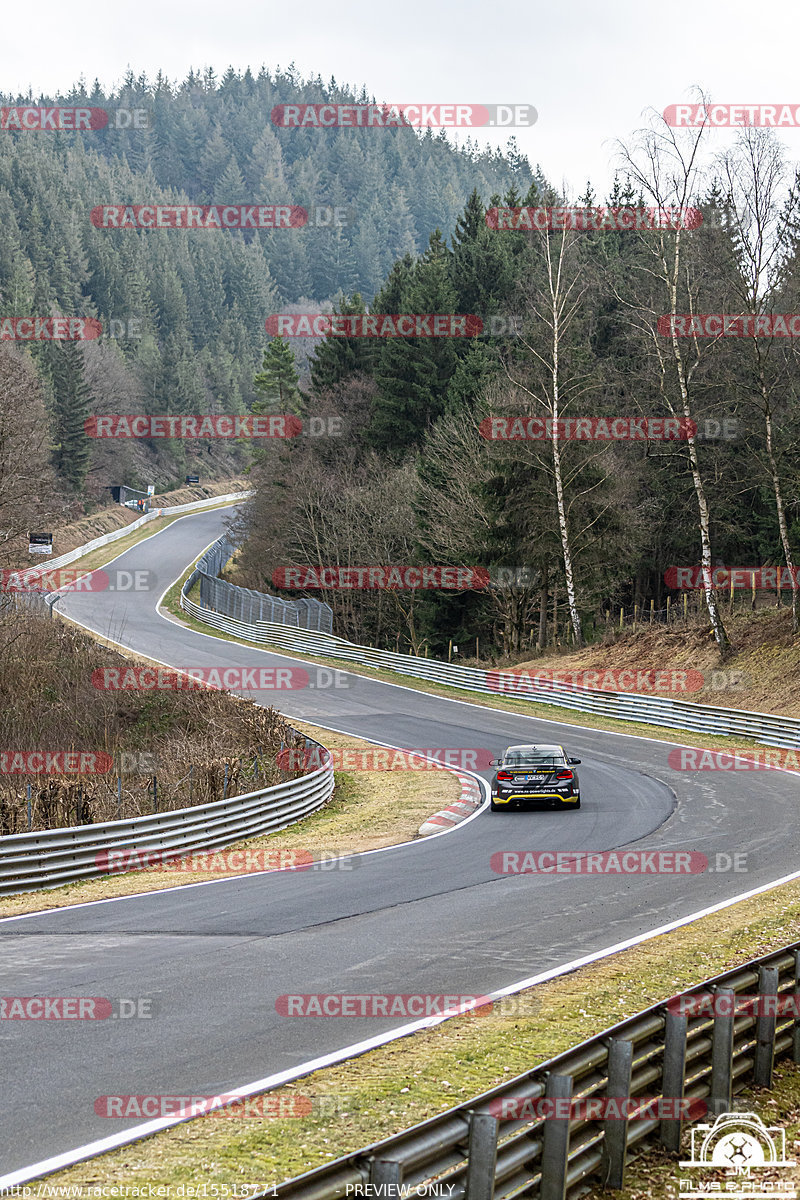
[555, 1142]
[481, 1156]
[673, 1077]
[615, 1130]
[722, 1053]
[796, 1029]
[385, 1177]
[765, 1027]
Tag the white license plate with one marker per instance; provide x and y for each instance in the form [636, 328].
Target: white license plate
[532, 779]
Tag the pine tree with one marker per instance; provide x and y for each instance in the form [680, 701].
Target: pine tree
[482, 263]
[338, 357]
[277, 381]
[413, 373]
[71, 395]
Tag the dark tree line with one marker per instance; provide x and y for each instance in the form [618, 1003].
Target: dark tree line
[198, 300]
[594, 524]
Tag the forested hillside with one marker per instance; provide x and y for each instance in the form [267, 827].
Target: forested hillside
[577, 324]
[189, 306]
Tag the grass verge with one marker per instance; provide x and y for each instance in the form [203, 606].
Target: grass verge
[391, 1088]
[366, 811]
[105, 554]
[525, 708]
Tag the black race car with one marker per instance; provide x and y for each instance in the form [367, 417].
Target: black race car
[540, 774]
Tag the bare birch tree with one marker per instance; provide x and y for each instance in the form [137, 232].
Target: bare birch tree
[551, 377]
[665, 166]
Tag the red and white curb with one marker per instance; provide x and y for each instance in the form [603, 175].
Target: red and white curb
[445, 818]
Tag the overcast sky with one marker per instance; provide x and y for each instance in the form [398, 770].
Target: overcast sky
[590, 68]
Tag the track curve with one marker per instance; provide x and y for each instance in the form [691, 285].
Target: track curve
[429, 916]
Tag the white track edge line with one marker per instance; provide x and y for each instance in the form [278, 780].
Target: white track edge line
[102, 1145]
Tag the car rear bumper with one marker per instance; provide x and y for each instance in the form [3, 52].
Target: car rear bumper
[514, 796]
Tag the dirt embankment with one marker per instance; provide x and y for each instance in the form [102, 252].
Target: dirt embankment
[762, 672]
[117, 516]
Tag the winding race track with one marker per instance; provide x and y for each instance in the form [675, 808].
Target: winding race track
[426, 917]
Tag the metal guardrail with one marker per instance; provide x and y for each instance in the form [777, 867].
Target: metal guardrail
[42, 602]
[106, 539]
[48, 858]
[51, 857]
[764, 728]
[658, 1053]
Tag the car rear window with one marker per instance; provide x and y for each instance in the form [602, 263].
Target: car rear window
[528, 760]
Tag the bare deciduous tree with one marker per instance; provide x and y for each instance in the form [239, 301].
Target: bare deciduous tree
[665, 166]
[757, 184]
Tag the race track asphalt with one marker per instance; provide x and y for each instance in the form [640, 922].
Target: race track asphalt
[427, 917]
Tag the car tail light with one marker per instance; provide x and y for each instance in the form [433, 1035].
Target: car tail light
[565, 775]
[505, 776]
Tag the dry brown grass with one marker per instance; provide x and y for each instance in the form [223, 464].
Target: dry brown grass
[193, 739]
[368, 810]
